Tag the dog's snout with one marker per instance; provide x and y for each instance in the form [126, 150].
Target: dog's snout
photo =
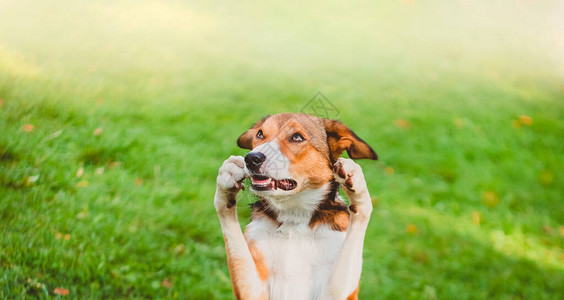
[254, 160]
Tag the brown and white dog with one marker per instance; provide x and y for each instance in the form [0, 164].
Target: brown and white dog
[303, 242]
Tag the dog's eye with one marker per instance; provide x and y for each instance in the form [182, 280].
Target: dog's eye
[297, 137]
[260, 135]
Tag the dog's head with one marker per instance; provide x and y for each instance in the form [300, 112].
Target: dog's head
[291, 153]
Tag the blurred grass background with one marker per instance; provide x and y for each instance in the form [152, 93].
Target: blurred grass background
[116, 115]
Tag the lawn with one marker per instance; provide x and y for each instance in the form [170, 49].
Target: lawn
[116, 115]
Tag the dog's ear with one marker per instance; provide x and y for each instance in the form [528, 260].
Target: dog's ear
[341, 138]
[245, 140]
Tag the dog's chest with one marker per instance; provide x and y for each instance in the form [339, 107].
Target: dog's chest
[298, 259]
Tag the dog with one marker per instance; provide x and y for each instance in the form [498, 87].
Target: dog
[303, 241]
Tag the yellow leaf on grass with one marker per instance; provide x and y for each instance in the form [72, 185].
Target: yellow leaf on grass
[402, 123]
[58, 235]
[138, 181]
[490, 199]
[526, 120]
[546, 178]
[61, 291]
[411, 229]
[27, 127]
[67, 237]
[389, 170]
[476, 218]
[82, 183]
[561, 230]
[98, 131]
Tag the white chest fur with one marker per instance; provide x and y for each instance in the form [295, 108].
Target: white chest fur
[299, 259]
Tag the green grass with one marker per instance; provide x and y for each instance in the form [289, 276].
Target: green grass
[173, 84]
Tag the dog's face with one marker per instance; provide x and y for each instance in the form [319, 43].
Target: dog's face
[295, 152]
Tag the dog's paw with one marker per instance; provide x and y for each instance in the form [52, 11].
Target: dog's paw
[349, 174]
[231, 173]
[229, 182]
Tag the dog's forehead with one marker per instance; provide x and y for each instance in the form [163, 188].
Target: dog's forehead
[312, 126]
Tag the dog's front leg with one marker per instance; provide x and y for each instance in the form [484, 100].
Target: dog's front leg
[244, 275]
[345, 275]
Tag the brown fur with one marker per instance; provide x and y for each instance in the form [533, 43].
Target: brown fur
[331, 213]
[341, 138]
[262, 269]
[233, 265]
[312, 159]
[308, 159]
[329, 137]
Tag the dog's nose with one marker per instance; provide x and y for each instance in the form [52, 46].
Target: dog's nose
[254, 160]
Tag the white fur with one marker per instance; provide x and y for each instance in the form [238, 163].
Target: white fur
[299, 259]
[297, 208]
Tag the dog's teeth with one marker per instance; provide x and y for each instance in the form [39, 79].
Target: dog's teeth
[262, 182]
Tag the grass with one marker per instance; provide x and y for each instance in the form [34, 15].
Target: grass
[135, 105]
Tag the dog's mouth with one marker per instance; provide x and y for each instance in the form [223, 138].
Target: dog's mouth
[265, 183]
